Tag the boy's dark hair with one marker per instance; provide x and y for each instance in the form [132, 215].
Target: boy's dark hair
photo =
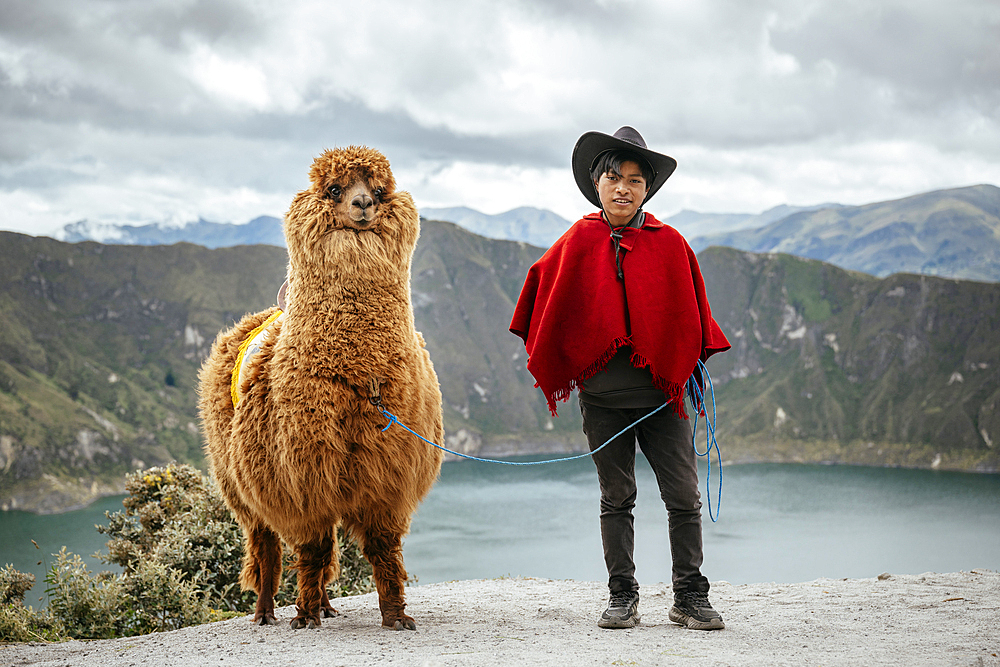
[611, 161]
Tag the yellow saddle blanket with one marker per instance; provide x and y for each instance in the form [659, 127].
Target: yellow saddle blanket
[248, 348]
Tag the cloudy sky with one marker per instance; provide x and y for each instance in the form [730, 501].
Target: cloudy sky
[134, 111]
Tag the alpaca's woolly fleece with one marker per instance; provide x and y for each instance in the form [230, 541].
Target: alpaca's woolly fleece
[303, 451]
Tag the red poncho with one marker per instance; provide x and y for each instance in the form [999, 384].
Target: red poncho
[572, 310]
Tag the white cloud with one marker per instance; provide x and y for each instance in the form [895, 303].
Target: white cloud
[815, 173]
[493, 189]
[231, 81]
[169, 109]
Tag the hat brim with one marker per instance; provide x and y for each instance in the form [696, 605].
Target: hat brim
[592, 144]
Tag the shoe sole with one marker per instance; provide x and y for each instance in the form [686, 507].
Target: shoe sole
[680, 618]
[613, 624]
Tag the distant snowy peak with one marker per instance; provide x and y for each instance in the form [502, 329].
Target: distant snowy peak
[539, 227]
[86, 230]
[536, 226]
[262, 230]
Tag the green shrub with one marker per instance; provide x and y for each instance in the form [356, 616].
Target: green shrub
[161, 601]
[14, 584]
[89, 606]
[181, 553]
[175, 516]
[17, 622]
[23, 624]
[151, 598]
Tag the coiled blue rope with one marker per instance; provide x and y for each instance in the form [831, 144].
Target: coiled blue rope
[697, 399]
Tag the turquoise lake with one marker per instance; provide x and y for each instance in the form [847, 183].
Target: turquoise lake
[779, 523]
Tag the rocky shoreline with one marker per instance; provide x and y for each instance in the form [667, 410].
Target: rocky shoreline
[52, 496]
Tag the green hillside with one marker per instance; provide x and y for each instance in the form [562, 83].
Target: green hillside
[99, 351]
[834, 365]
[464, 289]
[100, 347]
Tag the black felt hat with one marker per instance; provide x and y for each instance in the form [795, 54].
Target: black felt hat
[592, 144]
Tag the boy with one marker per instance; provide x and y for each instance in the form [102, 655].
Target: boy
[617, 308]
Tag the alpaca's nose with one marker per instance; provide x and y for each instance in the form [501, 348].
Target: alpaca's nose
[362, 201]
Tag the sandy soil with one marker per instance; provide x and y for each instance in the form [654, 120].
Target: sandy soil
[929, 619]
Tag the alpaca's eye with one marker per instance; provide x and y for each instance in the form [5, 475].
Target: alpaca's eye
[334, 191]
[379, 193]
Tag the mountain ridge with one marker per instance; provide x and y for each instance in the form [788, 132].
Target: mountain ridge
[536, 226]
[953, 233]
[694, 223]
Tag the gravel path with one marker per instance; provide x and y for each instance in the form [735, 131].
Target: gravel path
[929, 619]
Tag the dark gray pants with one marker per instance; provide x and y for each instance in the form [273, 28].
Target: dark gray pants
[665, 440]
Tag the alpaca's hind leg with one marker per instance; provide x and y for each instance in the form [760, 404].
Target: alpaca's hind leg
[384, 551]
[262, 571]
[313, 564]
[326, 607]
[332, 573]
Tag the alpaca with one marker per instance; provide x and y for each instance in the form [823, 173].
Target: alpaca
[302, 452]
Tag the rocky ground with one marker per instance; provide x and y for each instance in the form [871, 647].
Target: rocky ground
[928, 619]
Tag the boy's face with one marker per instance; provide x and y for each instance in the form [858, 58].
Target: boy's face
[622, 194]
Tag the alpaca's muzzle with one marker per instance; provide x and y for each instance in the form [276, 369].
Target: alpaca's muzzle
[362, 208]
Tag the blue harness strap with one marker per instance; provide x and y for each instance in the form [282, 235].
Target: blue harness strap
[697, 399]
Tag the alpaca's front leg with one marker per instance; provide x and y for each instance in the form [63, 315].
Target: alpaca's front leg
[385, 552]
[314, 562]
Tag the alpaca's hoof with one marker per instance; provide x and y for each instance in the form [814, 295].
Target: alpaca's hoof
[300, 622]
[329, 612]
[405, 623]
[266, 618]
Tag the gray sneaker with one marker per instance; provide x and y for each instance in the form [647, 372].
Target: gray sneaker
[622, 611]
[694, 611]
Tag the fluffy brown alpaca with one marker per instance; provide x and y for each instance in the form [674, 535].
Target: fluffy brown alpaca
[303, 450]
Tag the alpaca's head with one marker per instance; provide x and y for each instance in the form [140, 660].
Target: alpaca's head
[351, 212]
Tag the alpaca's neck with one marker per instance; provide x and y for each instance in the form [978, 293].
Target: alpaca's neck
[347, 328]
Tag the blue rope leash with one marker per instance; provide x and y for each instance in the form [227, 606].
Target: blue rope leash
[697, 399]
[393, 420]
